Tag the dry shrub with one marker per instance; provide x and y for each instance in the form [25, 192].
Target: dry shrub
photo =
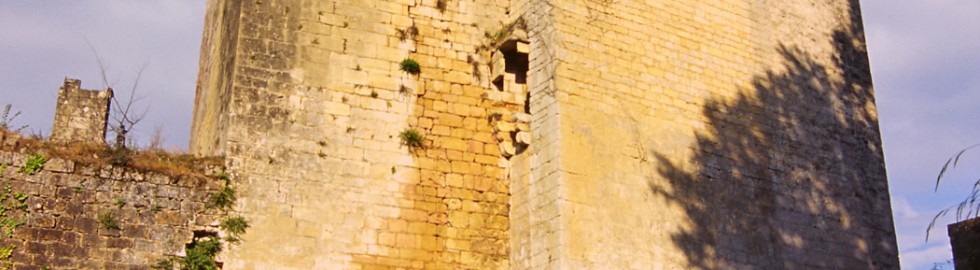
[173, 164]
[14, 141]
[89, 154]
[98, 155]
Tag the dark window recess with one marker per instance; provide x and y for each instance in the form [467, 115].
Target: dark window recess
[510, 61]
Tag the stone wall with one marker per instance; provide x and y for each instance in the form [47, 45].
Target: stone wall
[67, 207]
[316, 103]
[663, 134]
[965, 238]
[716, 135]
[80, 115]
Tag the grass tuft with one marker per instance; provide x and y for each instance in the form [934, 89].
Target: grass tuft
[412, 138]
[411, 66]
[224, 198]
[108, 221]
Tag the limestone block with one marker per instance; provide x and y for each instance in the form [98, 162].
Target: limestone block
[503, 126]
[521, 117]
[524, 137]
[523, 127]
[523, 47]
[507, 150]
[59, 165]
[494, 95]
[334, 108]
[497, 66]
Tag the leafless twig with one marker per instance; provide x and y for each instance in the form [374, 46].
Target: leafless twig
[123, 117]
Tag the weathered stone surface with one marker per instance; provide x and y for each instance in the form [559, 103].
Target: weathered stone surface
[644, 134]
[81, 115]
[62, 230]
[964, 236]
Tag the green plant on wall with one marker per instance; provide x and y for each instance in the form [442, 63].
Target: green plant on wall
[409, 65]
[412, 138]
[223, 176]
[108, 221]
[235, 227]
[34, 164]
[11, 200]
[12, 207]
[224, 198]
[201, 255]
[6, 254]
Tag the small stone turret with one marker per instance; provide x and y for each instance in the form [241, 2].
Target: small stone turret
[81, 115]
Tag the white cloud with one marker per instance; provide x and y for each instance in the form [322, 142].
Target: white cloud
[924, 259]
[902, 209]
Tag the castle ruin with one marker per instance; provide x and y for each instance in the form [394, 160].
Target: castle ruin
[80, 115]
[562, 134]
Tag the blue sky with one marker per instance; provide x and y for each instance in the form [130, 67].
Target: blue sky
[925, 57]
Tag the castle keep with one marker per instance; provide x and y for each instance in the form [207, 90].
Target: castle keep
[559, 134]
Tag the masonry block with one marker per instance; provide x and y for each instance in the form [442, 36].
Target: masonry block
[80, 115]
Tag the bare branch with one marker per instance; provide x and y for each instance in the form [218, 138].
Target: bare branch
[122, 114]
[103, 68]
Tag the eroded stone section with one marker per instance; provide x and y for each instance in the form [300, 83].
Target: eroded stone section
[80, 115]
[508, 72]
[68, 210]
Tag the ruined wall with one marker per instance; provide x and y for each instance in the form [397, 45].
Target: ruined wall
[63, 204]
[716, 135]
[80, 115]
[316, 104]
[964, 237]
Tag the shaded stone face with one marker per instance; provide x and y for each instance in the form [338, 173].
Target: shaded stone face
[557, 134]
[80, 115]
[964, 237]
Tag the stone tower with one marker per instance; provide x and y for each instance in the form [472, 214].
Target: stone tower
[562, 134]
[80, 115]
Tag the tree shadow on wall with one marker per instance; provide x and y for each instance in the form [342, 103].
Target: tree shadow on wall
[789, 176]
